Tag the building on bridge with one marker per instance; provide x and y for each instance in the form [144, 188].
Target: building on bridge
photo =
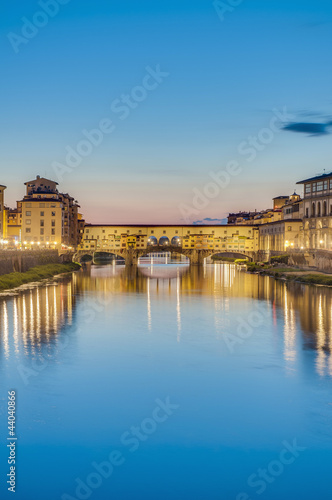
[218, 238]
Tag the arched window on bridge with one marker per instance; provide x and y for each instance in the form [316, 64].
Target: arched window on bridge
[164, 241]
[176, 241]
[152, 241]
[313, 210]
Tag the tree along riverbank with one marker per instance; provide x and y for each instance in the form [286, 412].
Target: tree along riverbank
[38, 273]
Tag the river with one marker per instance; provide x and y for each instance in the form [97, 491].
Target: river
[168, 382]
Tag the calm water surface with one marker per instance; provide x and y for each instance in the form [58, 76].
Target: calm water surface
[243, 360]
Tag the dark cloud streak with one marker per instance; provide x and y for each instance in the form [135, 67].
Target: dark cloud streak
[313, 129]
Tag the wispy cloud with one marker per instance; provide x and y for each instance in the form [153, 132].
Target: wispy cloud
[209, 221]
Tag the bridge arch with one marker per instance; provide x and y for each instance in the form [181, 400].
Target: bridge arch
[234, 255]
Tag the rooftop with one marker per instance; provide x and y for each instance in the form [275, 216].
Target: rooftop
[167, 225]
[316, 178]
[38, 178]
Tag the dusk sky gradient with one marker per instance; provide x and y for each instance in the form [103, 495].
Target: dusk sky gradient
[225, 79]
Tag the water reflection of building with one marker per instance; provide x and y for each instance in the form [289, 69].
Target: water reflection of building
[32, 319]
[35, 318]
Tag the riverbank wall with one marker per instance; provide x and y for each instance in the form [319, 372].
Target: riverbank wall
[319, 260]
[21, 261]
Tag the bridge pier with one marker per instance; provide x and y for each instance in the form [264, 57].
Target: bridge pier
[131, 257]
[197, 257]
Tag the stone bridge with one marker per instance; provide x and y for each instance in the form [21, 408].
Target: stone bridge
[195, 256]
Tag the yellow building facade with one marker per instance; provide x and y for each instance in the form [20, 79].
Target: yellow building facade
[219, 238]
[2, 211]
[42, 222]
[281, 236]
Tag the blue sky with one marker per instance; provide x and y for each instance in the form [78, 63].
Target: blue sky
[224, 80]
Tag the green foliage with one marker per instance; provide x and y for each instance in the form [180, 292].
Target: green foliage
[37, 273]
[253, 267]
[280, 259]
[241, 261]
[86, 258]
[314, 279]
[222, 258]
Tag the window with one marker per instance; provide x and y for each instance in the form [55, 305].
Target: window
[325, 185]
[115, 231]
[28, 221]
[53, 223]
[42, 214]
[87, 230]
[42, 223]
[307, 212]
[42, 230]
[289, 228]
[318, 209]
[176, 232]
[324, 208]
[314, 186]
[28, 213]
[307, 188]
[42, 205]
[53, 214]
[320, 186]
[28, 230]
[28, 205]
[103, 230]
[53, 231]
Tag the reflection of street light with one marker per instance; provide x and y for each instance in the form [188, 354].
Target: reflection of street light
[321, 242]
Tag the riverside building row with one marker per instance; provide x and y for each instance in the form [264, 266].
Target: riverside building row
[44, 218]
[295, 222]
